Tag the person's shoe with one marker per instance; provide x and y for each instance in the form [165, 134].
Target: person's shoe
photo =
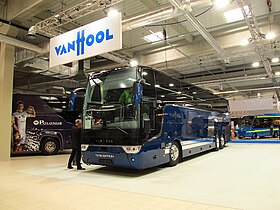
[70, 167]
[81, 169]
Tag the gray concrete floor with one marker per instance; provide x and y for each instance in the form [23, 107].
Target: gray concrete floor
[239, 176]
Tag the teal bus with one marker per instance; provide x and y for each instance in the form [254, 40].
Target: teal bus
[265, 125]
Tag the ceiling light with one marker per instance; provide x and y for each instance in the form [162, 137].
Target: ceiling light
[154, 37]
[221, 3]
[162, 96]
[256, 64]
[123, 85]
[270, 35]
[225, 92]
[133, 63]
[179, 92]
[88, 4]
[244, 42]
[144, 73]
[112, 12]
[277, 73]
[234, 15]
[157, 85]
[56, 16]
[171, 85]
[275, 60]
[263, 77]
[194, 92]
[31, 34]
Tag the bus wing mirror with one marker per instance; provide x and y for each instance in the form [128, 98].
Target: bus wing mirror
[135, 88]
[137, 91]
[147, 126]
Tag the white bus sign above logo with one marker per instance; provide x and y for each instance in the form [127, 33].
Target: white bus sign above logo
[101, 36]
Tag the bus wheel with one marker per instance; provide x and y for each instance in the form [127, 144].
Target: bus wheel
[240, 137]
[49, 146]
[174, 155]
[254, 136]
[222, 141]
[217, 143]
[275, 135]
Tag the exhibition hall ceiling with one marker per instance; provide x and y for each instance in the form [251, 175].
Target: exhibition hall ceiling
[171, 43]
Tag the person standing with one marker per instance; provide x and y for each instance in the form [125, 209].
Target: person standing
[76, 145]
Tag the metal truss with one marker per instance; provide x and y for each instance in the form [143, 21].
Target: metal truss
[49, 27]
[257, 37]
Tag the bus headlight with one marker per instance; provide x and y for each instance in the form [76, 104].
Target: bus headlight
[131, 149]
[84, 147]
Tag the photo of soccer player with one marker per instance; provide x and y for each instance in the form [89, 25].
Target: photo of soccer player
[20, 117]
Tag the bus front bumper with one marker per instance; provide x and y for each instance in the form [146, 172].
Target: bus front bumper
[112, 156]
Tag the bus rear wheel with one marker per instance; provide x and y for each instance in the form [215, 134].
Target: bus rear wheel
[49, 146]
[217, 143]
[222, 141]
[254, 136]
[174, 154]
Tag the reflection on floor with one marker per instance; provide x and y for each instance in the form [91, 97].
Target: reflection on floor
[239, 176]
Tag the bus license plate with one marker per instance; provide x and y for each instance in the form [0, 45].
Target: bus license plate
[106, 161]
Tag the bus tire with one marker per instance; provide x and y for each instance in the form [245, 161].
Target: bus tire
[222, 141]
[275, 134]
[240, 137]
[217, 143]
[174, 154]
[49, 146]
[254, 136]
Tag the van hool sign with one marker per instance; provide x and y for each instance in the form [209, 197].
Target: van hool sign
[101, 36]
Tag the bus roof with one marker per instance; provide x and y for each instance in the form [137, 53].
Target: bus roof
[268, 115]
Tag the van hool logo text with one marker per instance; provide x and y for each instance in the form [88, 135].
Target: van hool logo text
[43, 122]
[78, 45]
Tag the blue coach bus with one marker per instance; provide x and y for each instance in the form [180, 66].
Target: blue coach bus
[140, 118]
[42, 122]
[265, 125]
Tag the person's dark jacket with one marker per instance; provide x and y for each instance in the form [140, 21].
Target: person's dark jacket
[76, 137]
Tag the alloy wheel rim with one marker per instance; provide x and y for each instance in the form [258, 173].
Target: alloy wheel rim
[174, 152]
[50, 147]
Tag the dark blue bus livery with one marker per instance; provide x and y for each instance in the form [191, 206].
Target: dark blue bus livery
[150, 130]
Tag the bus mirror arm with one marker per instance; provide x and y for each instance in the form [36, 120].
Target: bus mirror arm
[147, 126]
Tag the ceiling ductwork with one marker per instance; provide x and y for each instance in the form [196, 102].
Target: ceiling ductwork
[150, 17]
[20, 44]
[185, 7]
[56, 71]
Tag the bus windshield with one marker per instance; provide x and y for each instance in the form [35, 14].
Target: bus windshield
[108, 107]
[246, 121]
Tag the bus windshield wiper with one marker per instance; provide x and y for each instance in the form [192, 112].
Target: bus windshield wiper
[121, 130]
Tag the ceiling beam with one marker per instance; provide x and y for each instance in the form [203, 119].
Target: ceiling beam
[16, 8]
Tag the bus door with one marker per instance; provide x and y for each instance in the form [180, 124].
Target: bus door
[151, 144]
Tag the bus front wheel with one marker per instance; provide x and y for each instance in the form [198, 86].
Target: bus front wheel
[254, 136]
[174, 154]
[49, 146]
[275, 135]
